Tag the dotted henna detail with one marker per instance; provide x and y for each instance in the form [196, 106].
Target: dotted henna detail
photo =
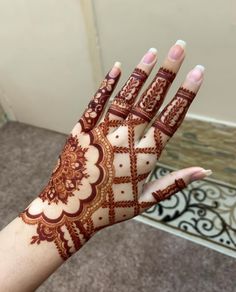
[153, 97]
[173, 114]
[88, 185]
[70, 230]
[124, 100]
[68, 174]
[177, 186]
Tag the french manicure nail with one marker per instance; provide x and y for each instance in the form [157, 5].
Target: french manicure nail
[201, 174]
[176, 51]
[196, 74]
[150, 56]
[115, 71]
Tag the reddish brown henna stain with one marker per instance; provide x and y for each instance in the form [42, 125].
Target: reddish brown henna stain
[68, 174]
[174, 113]
[153, 97]
[124, 100]
[83, 197]
[96, 105]
[177, 186]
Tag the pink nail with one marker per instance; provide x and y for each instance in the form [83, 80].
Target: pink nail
[201, 174]
[115, 71]
[196, 74]
[177, 50]
[150, 56]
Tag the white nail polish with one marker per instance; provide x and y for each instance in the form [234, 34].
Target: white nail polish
[200, 67]
[181, 43]
[207, 172]
[117, 64]
[201, 174]
[153, 50]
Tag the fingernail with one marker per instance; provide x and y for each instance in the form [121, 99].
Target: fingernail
[196, 74]
[201, 174]
[115, 71]
[150, 56]
[176, 52]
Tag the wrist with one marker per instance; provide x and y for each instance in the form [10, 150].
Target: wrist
[55, 225]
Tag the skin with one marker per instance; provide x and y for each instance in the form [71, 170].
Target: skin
[107, 156]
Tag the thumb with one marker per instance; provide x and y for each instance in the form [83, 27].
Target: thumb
[161, 189]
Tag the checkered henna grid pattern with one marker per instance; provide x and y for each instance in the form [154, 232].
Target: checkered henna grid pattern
[100, 173]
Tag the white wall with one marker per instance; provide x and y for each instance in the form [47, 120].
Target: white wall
[50, 59]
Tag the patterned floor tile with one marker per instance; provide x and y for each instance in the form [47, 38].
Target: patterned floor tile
[205, 212]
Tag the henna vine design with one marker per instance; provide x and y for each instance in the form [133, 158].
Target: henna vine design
[124, 100]
[153, 97]
[174, 113]
[99, 177]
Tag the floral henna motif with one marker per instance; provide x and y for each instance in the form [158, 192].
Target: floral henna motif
[177, 186]
[174, 113]
[68, 174]
[98, 180]
[152, 99]
[71, 224]
[96, 105]
[123, 102]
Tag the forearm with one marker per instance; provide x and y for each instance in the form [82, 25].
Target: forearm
[23, 266]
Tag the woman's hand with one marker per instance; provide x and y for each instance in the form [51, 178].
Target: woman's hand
[99, 179]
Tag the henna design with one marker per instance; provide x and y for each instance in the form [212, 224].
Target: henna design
[177, 186]
[174, 113]
[97, 182]
[153, 97]
[124, 100]
[69, 227]
[68, 174]
[96, 105]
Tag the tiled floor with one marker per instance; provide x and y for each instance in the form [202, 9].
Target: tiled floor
[204, 144]
[205, 212]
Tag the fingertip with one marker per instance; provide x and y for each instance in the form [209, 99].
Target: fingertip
[116, 70]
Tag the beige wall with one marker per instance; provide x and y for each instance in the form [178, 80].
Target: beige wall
[46, 75]
[128, 27]
[53, 52]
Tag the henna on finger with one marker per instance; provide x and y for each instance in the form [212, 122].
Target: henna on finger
[177, 186]
[125, 99]
[99, 176]
[153, 97]
[95, 107]
[173, 114]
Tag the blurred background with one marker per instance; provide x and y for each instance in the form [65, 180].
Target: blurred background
[54, 54]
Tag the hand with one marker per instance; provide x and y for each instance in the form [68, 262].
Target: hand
[100, 176]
